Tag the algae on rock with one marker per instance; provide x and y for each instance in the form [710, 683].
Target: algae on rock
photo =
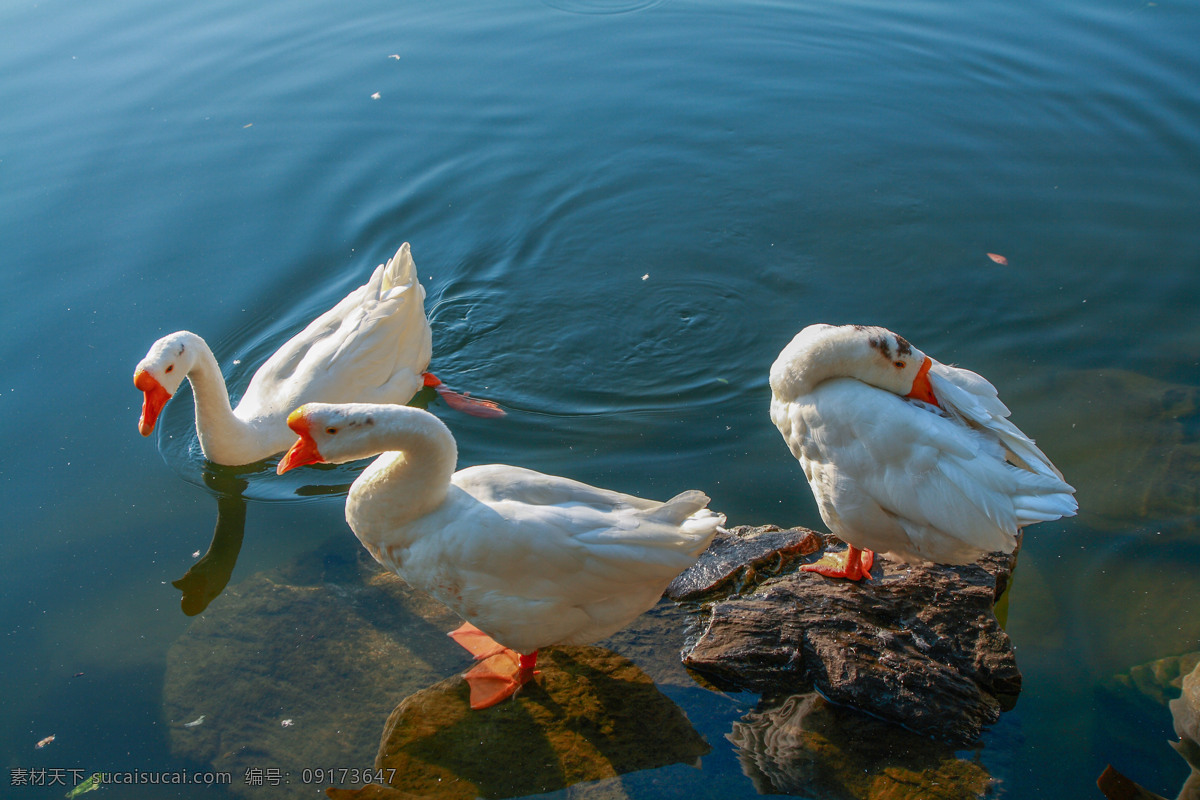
[590, 715]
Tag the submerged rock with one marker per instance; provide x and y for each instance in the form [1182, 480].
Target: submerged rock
[330, 644]
[1177, 676]
[801, 745]
[1185, 710]
[1133, 442]
[591, 714]
[1158, 680]
[918, 645]
[326, 646]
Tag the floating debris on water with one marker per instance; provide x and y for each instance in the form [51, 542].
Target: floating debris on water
[999, 259]
[89, 785]
[197, 721]
[287, 723]
[45, 741]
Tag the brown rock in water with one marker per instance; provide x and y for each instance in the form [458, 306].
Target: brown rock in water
[919, 645]
[591, 714]
[804, 746]
[741, 558]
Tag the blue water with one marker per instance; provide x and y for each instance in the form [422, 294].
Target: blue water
[620, 211]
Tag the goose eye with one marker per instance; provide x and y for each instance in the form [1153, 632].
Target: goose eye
[170, 368]
[331, 430]
[898, 364]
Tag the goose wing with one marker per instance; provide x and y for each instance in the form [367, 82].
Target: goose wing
[536, 559]
[971, 398]
[894, 475]
[370, 347]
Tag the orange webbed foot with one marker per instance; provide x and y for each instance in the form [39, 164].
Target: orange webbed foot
[498, 677]
[475, 406]
[476, 642]
[500, 671]
[853, 564]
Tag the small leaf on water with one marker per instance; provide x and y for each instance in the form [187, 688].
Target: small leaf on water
[999, 259]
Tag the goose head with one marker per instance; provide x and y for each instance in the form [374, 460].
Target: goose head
[160, 373]
[868, 353]
[330, 434]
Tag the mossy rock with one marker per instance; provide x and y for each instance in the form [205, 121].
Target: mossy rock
[589, 715]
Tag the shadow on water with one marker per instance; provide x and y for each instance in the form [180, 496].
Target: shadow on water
[591, 714]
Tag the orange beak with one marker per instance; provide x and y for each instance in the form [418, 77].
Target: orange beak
[304, 451]
[921, 388]
[152, 406]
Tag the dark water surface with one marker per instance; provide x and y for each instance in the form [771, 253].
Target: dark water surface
[621, 211]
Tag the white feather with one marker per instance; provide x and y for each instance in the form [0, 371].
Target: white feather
[942, 483]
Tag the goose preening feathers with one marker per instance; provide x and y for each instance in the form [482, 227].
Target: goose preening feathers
[905, 455]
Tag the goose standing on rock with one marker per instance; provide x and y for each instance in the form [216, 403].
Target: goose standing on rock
[373, 346]
[527, 559]
[907, 456]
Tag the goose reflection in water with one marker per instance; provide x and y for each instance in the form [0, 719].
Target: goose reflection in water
[209, 576]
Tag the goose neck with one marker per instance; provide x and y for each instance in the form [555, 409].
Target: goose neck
[224, 437]
[414, 471]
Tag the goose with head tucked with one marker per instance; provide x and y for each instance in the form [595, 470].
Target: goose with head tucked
[907, 456]
[373, 346]
[529, 560]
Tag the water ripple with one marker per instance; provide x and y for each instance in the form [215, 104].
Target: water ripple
[602, 6]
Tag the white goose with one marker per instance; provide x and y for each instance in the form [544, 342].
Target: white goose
[907, 456]
[530, 559]
[372, 346]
